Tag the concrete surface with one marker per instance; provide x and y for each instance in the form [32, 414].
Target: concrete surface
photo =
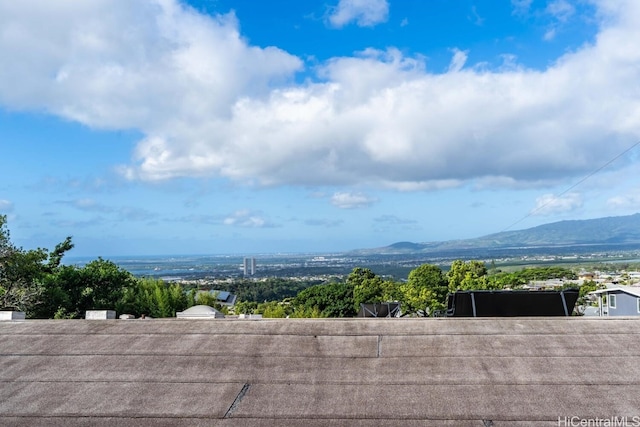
[300, 372]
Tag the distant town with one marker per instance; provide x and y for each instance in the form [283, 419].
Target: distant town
[214, 269]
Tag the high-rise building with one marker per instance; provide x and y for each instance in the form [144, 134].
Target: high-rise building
[249, 266]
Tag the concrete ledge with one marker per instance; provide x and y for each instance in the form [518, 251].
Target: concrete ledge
[100, 314]
[12, 315]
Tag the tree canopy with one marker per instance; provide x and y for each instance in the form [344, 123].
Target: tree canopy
[23, 273]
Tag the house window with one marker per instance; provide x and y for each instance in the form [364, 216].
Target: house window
[638, 300]
[612, 301]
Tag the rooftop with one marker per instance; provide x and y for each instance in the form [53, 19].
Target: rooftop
[310, 372]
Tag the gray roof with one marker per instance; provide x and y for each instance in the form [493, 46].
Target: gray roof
[300, 372]
[631, 290]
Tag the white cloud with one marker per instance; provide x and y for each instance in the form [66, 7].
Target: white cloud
[119, 64]
[365, 13]
[247, 219]
[550, 34]
[561, 10]
[521, 7]
[630, 200]
[6, 206]
[210, 104]
[549, 204]
[458, 60]
[346, 200]
[475, 16]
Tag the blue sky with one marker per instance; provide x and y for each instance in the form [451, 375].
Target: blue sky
[237, 126]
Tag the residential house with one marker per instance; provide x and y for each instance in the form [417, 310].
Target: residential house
[618, 301]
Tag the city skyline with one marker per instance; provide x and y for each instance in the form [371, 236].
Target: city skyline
[229, 126]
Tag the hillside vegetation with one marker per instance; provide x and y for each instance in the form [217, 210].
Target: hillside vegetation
[611, 231]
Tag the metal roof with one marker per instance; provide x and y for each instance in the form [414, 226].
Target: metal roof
[478, 372]
[223, 295]
[635, 291]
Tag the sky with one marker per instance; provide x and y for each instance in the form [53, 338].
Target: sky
[168, 127]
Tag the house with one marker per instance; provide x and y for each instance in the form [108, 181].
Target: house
[618, 301]
[222, 297]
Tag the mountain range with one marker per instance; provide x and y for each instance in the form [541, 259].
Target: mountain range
[609, 231]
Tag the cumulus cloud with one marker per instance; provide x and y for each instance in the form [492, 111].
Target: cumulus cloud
[549, 204]
[121, 64]
[6, 206]
[210, 104]
[365, 13]
[346, 200]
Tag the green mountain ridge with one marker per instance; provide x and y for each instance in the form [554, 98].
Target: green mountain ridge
[616, 230]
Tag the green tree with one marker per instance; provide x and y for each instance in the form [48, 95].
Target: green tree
[71, 291]
[467, 276]
[245, 307]
[584, 299]
[370, 288]
[426, 289]
[24, 273]
[153, 297]
[306, 313]
[517, 279]
[273, 309]
[367, 287]
[331, 299]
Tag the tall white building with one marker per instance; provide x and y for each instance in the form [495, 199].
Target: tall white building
[249, 266]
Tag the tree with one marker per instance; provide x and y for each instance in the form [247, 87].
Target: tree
[273, 309]
[370, 288]
[331, 300]
[426, 289]
[367, 287]
[71, 291]
[24, 274]
[467, 275]
[153, 297]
